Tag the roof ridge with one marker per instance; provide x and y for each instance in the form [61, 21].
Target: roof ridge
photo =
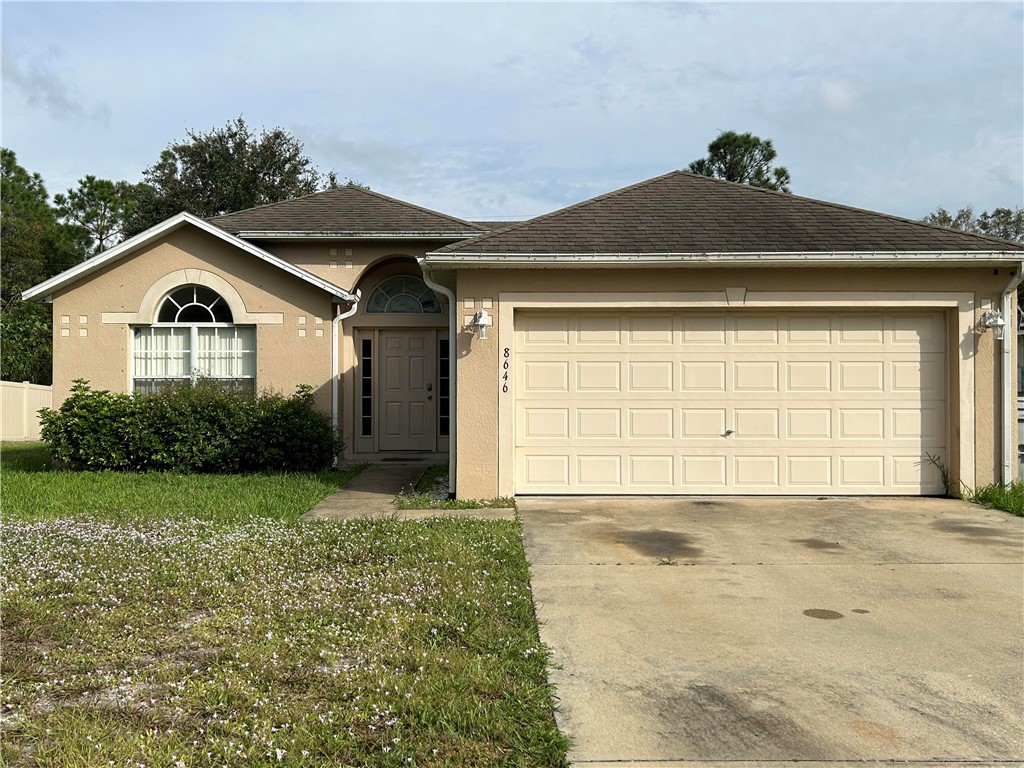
[354, 188]
[844, 207]
[271, 205]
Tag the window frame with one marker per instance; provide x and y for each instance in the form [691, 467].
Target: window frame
[194, 374]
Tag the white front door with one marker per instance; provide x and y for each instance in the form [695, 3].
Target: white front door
[406, 399]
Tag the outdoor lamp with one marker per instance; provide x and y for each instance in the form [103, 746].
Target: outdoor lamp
[993, 319]
[480, 321]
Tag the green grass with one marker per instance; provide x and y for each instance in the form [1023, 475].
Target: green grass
[32, 490]
[1009, 498]
[226, 632]
[431, 491]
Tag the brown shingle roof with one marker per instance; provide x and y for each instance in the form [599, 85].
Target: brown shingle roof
[682, 212]
[491, 226]
[346, 211]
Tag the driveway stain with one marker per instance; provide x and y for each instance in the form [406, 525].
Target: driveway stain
[659, 543]
[985, 534]
[859, 610]
[820, 544]
[873, 731]
[715, 722]
[822, 613]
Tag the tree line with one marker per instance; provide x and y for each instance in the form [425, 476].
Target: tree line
[224, 170]
[232, 168]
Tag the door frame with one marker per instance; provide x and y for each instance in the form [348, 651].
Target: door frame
[362, 445]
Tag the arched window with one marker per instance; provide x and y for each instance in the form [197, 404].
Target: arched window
[403, 295]
[193, 337]
[194, 304]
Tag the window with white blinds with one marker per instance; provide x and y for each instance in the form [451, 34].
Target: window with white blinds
[169, 353]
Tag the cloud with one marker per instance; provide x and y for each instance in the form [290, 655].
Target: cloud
[43, 88]
[837, 96]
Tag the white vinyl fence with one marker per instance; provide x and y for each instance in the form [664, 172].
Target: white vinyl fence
[19, 406]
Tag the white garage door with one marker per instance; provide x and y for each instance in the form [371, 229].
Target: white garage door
[678, 403]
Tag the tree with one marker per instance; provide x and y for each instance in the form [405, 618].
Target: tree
[330, 180]
[26, 353]
[743, 158]
[228, 169]
[100, 208]
[1005, 223]
[36, 246]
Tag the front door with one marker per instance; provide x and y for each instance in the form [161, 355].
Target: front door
[407, 401]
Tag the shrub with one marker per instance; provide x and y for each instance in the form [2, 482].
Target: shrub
[189, 428]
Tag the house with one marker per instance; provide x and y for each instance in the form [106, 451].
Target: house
[683, 335]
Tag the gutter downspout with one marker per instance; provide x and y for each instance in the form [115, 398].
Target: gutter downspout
[1007, 404]
[428, 278]
[336, 363]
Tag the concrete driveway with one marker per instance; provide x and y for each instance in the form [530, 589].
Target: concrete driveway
[744, 631]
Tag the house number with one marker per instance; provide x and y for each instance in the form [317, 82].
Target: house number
[504, 371]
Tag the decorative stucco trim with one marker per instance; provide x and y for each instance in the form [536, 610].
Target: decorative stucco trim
[151, 301]
[44, 290]
[961, 303]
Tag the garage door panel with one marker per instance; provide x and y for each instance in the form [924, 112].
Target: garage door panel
[804, 472]
[808, 376]
[757, 329]
[756, 376]
[598, 423]
[651, 423]
[703, 470]
[703, 330]
[703, 376]
[651, 329]
[756, 423]
[598, 376]
[720, 403]
[696, 423]
[598, 329]
[808, 329]
[650, 376]
[599, 471]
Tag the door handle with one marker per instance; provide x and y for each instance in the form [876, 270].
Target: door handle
[430, 397]
[729, 432]
[430, 387]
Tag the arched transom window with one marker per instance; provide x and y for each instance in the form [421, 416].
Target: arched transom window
[194, 304]
[193, 337]
[403, 295]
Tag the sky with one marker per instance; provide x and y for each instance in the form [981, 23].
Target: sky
[510, 110]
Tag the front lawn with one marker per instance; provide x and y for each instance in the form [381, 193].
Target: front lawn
[159, 620]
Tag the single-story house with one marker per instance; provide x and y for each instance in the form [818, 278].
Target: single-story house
[683, 335]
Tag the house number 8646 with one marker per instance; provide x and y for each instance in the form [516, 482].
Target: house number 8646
[504, 370]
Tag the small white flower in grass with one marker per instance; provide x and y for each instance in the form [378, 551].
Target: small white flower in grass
[280, 754]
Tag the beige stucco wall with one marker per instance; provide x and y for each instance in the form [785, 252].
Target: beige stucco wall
[346, 263]
[293, 325]
[479, 361]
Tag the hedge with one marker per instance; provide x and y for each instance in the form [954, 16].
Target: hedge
[189, 428]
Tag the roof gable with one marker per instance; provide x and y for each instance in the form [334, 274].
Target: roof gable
[683, 212]
[43, 290]
[345, 211]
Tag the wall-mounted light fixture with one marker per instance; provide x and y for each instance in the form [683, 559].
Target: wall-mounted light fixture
[481, 321]
[993, 319]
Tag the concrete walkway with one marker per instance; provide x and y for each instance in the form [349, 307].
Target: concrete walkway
[371, 493]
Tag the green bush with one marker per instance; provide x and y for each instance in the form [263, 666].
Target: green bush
[189, 428]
